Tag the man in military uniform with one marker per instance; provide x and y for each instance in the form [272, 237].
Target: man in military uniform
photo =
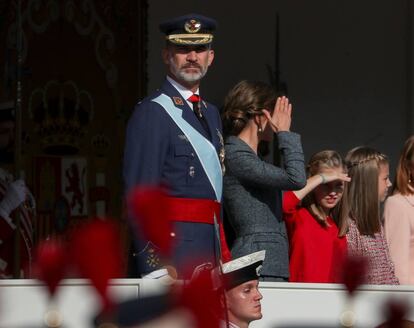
[241, 284]
[174, 139]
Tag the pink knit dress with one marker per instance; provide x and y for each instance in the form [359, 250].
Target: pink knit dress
[375, 249]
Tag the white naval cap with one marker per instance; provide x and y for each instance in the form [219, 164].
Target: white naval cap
[242, 269]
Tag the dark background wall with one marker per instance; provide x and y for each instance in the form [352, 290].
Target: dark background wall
[82, 69]
[347, 64]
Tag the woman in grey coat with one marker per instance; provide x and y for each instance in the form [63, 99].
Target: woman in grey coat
[252, 187]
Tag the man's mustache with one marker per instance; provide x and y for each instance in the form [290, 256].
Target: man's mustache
[192, 66]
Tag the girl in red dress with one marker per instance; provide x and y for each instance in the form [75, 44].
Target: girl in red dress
[316, 251]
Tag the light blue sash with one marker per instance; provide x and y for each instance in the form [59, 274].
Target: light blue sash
[206, 152]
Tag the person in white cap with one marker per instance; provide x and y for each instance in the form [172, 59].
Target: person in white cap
[241, 285]
[179, 306]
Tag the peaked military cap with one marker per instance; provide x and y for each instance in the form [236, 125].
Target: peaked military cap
[191, 29]
[242, 269]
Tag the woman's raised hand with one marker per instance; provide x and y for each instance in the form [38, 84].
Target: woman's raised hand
[281, 118]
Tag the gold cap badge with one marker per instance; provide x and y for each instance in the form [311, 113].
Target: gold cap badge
[192, 26]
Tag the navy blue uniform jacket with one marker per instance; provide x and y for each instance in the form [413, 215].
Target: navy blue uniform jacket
[157, 152]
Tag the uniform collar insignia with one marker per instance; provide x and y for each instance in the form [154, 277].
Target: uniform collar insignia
[178, 101]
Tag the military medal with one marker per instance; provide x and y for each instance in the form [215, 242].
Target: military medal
[222, 153]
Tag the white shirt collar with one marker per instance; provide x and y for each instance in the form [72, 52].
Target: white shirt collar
[224, 325]
[184, 92]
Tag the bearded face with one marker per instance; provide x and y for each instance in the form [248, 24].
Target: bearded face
[188, 64]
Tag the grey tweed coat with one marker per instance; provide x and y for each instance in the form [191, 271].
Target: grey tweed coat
[253, 199]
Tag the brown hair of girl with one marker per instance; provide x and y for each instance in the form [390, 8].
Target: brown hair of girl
[326, 159]
[360, 200]
[403, 178]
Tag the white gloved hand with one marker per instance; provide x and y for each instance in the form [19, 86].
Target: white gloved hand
[156, 274]
[15, 195]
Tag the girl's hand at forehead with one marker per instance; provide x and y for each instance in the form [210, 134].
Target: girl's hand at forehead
[329, 176]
